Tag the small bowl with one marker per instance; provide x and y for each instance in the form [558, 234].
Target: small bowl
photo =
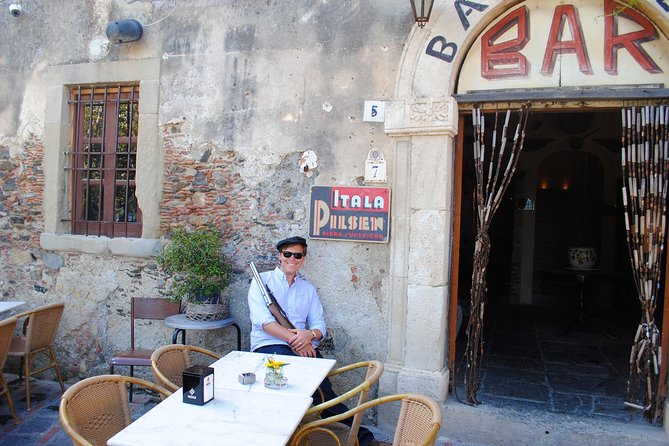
[247, 378]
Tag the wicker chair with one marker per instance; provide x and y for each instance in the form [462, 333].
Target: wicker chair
[39, 331]
[142, 308]
[169, 361]
[7, 327]
[348, 434]
[95, 409]
[418, 424]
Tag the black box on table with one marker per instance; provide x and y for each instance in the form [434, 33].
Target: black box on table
[198, 385]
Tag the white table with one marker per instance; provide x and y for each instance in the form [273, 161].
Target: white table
[239, 414]
[233, 417]
[304, 375]
[10, 305]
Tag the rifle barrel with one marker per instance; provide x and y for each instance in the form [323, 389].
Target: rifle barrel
[260, 283]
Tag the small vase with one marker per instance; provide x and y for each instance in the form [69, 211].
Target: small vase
[274, 378]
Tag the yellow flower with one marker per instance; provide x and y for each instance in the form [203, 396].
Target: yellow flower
[273, 363]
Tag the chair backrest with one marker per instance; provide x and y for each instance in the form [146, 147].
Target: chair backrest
[150, 308]
[95, 409]
[418, 424]
[169, 361]
[374, 370]
[419, 420]
[7, 327]
[41, 325]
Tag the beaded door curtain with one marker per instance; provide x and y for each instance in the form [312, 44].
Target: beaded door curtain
[645, 163]
[495, 160]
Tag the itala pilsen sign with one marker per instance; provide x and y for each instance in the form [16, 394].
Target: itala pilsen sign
[350, 213]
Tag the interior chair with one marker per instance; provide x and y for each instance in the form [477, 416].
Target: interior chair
[348, 434]
[97, 408]
[7, 327]
[142, 308]
[419, 422]
[39, 331]
[168, 363]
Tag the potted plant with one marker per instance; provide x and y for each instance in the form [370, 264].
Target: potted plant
[199, 272]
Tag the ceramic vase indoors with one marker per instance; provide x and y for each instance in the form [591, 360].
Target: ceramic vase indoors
[582, 257]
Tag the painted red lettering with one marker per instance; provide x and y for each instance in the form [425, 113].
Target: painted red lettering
[565, 14]
[495, 56]
[630, 41]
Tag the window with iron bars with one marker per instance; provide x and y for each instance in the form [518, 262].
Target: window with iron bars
[103, 161]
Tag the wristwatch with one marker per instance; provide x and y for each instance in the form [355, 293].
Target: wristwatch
[313, 333]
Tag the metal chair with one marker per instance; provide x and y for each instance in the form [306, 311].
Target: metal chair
[168, 363]
[95, 409]
[39, 332]
[142, 308]
[419, 422]
[6, 333]
[348, 434]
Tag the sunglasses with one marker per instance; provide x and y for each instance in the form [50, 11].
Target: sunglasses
[288, 254]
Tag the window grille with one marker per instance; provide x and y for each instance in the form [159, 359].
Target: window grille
[103, 161]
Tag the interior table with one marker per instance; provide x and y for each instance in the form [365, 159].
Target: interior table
[583, 278]
[10, 305]
[233, 417]
[181, 323]
[303, 375]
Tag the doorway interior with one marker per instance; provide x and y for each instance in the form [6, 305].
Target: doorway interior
[556, 338]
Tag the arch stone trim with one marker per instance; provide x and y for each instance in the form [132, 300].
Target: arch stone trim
[429, 116]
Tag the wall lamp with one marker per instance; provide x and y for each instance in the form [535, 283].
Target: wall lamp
[421, 11]
[124, 31]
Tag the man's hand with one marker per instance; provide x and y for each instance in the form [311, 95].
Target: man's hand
[308, 350]
[300, 342]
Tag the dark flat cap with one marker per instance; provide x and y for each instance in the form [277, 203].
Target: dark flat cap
[291, 241]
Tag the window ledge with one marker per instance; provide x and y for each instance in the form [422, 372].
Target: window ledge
[118, 246]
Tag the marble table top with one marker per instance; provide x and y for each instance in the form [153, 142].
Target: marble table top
[233, 417]
[10, 305]
[304, 375]
[239, 414]
[182, 321]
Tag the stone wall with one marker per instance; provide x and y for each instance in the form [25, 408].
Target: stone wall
[245, 89]
[21, 188]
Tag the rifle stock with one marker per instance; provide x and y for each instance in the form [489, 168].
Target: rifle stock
[272, 305]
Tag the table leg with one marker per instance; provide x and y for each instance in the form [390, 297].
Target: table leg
[582, 318]
[580, 309]
[175, 335]
[581, 302]
[239, 336]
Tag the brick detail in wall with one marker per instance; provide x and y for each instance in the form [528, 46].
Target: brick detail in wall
[21, 193]
[210, 192]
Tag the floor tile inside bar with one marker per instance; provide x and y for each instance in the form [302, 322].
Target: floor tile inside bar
[535, 360]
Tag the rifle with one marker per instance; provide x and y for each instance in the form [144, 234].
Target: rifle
[270, 301]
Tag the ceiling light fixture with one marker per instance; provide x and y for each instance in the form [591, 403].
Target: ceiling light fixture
[421, 11]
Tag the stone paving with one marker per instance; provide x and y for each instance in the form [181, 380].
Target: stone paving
[547, 381]
[533, 362]
[530, 366]
[41, 426]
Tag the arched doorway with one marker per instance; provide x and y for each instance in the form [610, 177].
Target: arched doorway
[426, 118]
[505, 56]
[544, 351]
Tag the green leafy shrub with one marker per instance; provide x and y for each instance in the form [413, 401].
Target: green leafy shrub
[196, 263]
